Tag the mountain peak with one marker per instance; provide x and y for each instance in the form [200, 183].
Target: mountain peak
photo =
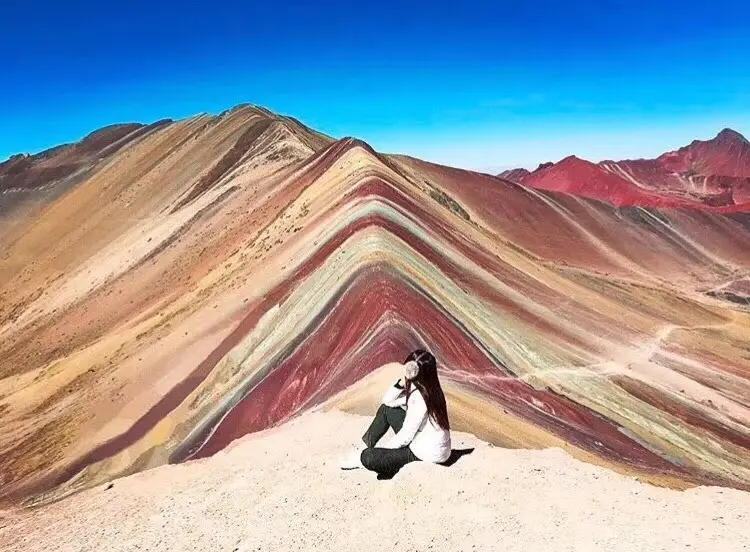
[515, 175]
[570, 160]
[728, 135]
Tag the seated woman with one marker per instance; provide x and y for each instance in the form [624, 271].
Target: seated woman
[417, 413]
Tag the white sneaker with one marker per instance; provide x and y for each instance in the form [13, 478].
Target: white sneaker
[352, 460]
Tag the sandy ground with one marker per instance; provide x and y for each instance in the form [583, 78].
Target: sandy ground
[282, 490]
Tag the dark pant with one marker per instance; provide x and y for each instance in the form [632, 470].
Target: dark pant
[385, 461]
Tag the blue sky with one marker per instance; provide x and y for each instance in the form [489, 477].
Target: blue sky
[484, 85]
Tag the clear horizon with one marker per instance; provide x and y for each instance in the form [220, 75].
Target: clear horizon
[488, 87]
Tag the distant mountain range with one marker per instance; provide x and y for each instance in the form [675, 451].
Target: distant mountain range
[712, 174]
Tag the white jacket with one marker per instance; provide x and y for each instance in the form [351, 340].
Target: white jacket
[426, 439]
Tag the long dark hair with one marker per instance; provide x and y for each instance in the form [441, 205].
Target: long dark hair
[429, 386]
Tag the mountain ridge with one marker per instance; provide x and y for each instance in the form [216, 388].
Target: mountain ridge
[221, 275]
[706, 174]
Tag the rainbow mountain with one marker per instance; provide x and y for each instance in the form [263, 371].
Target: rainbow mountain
[168, 288]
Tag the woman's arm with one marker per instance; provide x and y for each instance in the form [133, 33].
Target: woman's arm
[394, 396]
[416, 413]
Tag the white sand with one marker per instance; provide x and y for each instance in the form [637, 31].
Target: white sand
[283, 490]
